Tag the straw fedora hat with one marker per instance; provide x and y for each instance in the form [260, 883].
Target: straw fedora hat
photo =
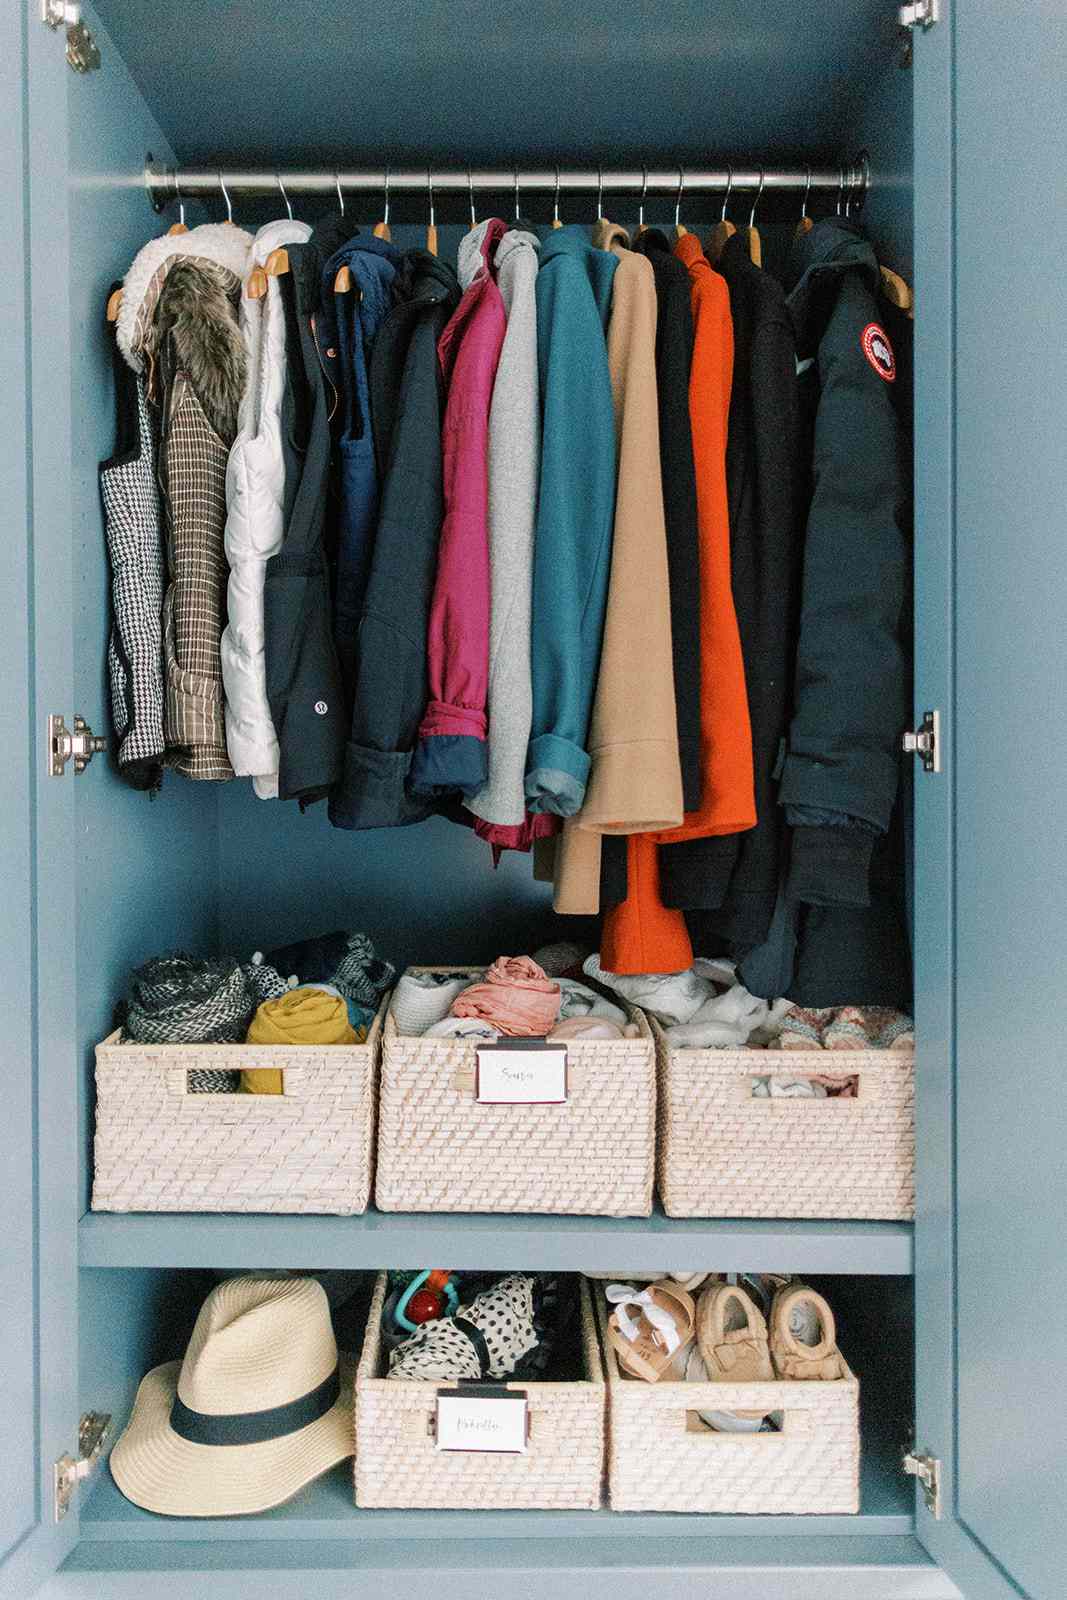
[258, 1408]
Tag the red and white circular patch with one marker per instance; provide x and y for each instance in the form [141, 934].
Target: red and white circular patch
[879, 351]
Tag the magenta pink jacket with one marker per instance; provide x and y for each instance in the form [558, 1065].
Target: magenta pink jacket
[451, 755]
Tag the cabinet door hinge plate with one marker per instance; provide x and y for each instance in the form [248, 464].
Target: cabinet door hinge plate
[83, 52]
[928, 1471]
[67, 1472]
[926, 742]
[918, 13]
[63, 746]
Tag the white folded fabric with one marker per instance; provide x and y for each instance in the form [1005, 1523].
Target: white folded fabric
[423, 998]
[462, 1028]
[578, 1000]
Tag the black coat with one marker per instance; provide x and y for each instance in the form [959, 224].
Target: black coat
[674, 357]
[303, 678]
[851, 695]
[734, 878]
[391, 688]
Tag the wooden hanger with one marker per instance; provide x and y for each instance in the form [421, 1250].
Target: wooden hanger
[755, 247]
[724, 228]
[556, 223]
[431, 224]
[256, 287]
[342, 284]
[381, 229]
[277, 263]
[805, 224]
[114, 301]
[680, 230]
[641, 224]
[897, 291]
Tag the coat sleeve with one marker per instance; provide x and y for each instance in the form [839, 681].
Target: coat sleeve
[851, 683]
[572, 540]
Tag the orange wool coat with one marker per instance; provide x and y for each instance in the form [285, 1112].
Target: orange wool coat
[641, 934]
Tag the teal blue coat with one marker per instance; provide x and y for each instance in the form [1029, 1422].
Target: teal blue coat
[575, 514]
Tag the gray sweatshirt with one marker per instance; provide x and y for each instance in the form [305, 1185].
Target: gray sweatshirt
[514, 459]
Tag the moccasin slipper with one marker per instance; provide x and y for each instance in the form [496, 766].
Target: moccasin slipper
[732, 1338]
[804, 1336]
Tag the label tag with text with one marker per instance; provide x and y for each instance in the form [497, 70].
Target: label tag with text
[521, 1072]
[493, 1422]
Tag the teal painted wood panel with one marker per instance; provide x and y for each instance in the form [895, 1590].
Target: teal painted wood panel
[396, 1239]
[38, 826]
[887, 1568]
[990, 1215]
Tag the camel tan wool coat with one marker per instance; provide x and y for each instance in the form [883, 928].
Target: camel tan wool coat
[635, 782]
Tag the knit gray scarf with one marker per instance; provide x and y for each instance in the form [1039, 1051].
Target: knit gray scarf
[178, 999]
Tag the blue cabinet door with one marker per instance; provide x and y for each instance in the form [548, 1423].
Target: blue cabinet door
[991, 430]
[38, 1255]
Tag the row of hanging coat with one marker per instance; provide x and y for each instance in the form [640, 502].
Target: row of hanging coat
[597, 545]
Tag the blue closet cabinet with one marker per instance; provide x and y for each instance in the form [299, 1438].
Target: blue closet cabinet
[95, 877]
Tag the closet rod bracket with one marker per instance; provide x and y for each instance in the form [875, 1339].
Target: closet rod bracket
[919, 14]
[83, 52]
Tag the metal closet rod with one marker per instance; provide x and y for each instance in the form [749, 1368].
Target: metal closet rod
[165, 185]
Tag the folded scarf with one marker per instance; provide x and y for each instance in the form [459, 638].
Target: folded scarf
[422, 998]
[517, 997]
[178, 999]
[301, 1016]
[347, 960]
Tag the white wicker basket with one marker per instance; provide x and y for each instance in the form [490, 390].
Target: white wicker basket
[663, 1457]
[725, 1153]
[398, 1464]
[440, 1150]
[308, 1149]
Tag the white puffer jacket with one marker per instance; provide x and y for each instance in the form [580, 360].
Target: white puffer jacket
[255, 488]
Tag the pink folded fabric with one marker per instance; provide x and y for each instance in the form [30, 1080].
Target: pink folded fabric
[517, 997]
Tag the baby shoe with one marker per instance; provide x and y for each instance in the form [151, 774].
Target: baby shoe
[732, 1337]
[486, 1339]
[646, 1344]
[804, 1335]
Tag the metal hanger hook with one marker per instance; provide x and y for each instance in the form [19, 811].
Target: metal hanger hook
[850, 191]
[516, 194]
[340, 196]
[285, 197]
[599, 190]
[644, 191]
[678, 197]
[429, 191]
[226, 197]
[726, 196]
[555, 203]
[385, 185]
[840, 188]
[178, 192]
[755, 203]
[470, 191]
[807, 191]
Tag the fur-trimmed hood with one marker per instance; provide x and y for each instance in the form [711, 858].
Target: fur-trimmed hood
[217, 243]
[195, 331]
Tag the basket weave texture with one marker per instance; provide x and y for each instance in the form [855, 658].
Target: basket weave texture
[662, 1457]
[723, 1153]
[439, 1150]
[309, 1149]
[397, 1463]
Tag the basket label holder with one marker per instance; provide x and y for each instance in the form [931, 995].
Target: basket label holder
[521, 1072]
[482, 1419]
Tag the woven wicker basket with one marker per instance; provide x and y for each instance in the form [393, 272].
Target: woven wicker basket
[663, 1457]
[397, 1463]
[310, 1149]
[723, 1153]
[439, 1150]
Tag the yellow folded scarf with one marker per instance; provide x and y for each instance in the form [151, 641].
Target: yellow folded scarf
[302, 1016]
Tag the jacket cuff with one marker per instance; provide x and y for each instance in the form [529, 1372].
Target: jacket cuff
[830, 866]
[458, 721]
[449, 763]
[635, 788]
[557, 771]
[372, 790]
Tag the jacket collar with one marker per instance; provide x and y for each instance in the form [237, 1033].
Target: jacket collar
[609, 236]
[513, 242]
[818, 259]
[273, 235]
[476, 249]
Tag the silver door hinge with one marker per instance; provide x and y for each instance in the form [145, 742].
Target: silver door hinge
[63, 746]
[926, 742]
[83, 53]
[928, 1471]
[918, 14]
[68, 1473]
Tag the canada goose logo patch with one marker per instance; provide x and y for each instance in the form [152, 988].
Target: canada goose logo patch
[879, 352]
